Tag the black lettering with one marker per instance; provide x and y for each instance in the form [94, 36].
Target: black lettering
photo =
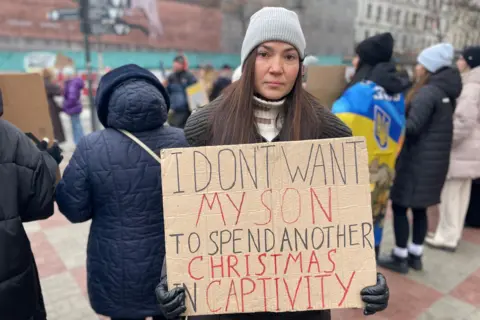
[214, 242]
[253, 176]
[366, 234]
[356, 157]
[341, 235]
[297, 170]
[220, 171]
[350, 234]
[178, 172]
[304, 240]
[313, 238]
[209, 171]
[193, 300]
[328, 235]
[267, 168]
[190, 242]
[222, 239]
[286, 238]
[251, 239]
[334, 157]
[272, 236]
[315, 165]
[235, 239]
[177, 235]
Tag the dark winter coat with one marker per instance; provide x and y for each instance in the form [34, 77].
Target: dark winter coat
[423, 162]
[72, 95]
[197, 131]
[220, 84]
[177, 84]
[53, 90]
[117, 184]
[27, 181]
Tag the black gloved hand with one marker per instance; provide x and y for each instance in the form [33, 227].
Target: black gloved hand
[55, 152]
[376, 297]
[43, 145]
[171, 303]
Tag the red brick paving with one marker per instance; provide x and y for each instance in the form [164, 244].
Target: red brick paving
[469, 290]
[471, 235]
[48, 261]
[80, 275]
[57, 220]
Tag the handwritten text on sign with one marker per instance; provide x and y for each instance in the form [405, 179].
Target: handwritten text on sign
[269, 227]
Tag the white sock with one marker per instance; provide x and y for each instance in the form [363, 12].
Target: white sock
[415, 249]
[400, 252]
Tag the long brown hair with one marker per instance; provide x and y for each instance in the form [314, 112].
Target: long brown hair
[233, 122]
[419, 83]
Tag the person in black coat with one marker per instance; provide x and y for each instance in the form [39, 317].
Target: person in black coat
[27, 184]
[423, 162]
[222, 82]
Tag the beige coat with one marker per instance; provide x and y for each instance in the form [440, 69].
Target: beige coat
[465, 155]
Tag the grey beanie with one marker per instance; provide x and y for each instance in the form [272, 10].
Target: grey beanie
[273, 24]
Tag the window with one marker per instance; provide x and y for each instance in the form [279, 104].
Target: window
[389, 14]
[404, 42]
[379, 14]
[397, 16]
[406, 19]
[426, 24]
[369, 11]
[367, 34]
[414, 20]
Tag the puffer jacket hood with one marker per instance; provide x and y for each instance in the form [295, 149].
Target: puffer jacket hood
[386, 76]
[449, 81]
[133, 99]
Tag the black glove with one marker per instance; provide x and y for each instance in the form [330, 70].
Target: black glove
[42, 145]
[376, 297]
[55, 152]
[171, 303]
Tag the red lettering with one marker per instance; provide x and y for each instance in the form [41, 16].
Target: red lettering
[275, 255]
[244, 293]
[309, 293]
[266, 207]
[213, 266]
[330, 258]
[292, 302]
[276, 293]
[313, 260]
[210, 205]
[264, 280]
[232, 266]
[328, 214]
[190, 268]
[232, 288]
[299, 205]
[295, 259]
[345, 289]
[321, 277]
[247, 265]
[206, 296]
[239, 209]
[260, 257]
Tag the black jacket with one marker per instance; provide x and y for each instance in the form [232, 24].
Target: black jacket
[422, 165]
[27, 179]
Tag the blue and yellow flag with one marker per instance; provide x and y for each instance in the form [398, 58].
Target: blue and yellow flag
[370, 112]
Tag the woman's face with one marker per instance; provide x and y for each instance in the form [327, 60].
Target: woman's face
[356, 61]
[276, 69]
[420, 71]
[462, 65]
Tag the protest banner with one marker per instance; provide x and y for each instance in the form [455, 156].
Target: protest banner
[272, 227]
[197, 96]
[326, 83]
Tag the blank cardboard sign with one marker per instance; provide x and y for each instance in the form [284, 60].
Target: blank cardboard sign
[326, 83]
[273, 227]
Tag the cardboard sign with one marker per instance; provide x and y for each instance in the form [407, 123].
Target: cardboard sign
[273, 227]
[326, 83]
[197, 96]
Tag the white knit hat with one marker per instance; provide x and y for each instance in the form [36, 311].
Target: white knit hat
[436, 57]
[273, 24]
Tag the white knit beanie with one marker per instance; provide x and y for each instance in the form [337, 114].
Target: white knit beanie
[273, 24]
[436, 57]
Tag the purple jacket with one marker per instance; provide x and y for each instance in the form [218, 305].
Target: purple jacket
[72, 94]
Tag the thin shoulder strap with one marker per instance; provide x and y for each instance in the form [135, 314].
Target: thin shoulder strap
[141, 144]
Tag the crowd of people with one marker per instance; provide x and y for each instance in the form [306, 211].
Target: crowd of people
[113, 176]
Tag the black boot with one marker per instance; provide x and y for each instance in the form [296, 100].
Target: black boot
[394, 263]
[415, 262]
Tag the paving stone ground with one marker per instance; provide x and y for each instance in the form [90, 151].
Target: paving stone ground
[448, 288]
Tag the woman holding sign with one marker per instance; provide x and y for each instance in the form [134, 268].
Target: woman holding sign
[267, 104]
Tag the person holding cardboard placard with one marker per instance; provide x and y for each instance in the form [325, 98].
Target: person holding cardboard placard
[267, 104]
[423, 162]
[27, 188]
[114, 179]
[373, 106]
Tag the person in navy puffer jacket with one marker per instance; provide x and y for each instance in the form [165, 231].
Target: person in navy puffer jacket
[113, 181]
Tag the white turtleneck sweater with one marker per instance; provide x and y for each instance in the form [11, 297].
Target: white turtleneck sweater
[269, 117]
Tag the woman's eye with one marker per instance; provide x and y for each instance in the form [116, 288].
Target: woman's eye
[291, 57]
[262, 54]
